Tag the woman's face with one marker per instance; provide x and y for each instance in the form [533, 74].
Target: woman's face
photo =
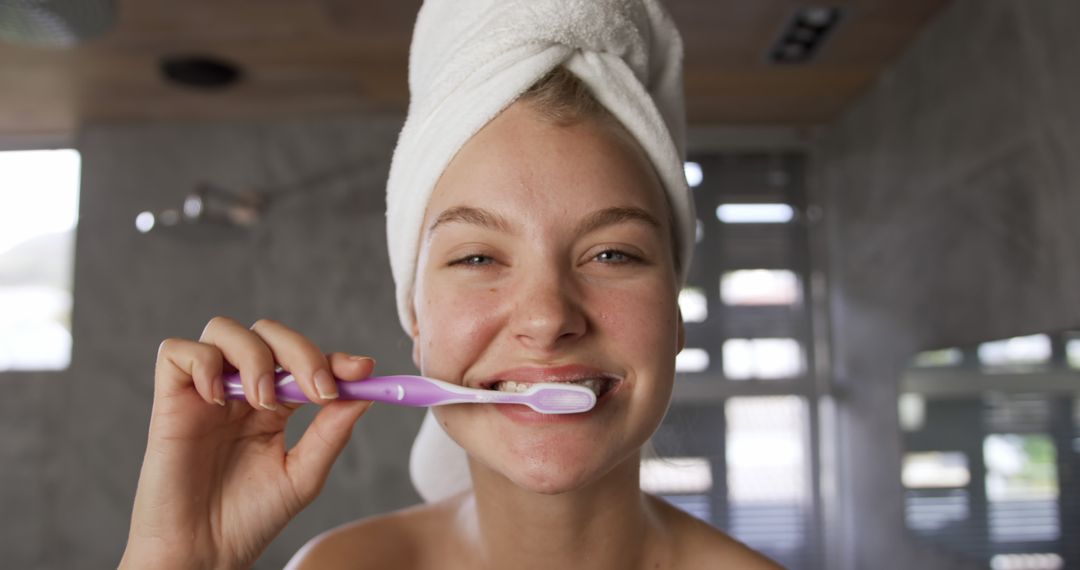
[546, 255]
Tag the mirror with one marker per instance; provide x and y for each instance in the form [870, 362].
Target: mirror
[991, 450]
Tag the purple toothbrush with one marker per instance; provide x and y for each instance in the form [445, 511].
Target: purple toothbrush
[406, 390]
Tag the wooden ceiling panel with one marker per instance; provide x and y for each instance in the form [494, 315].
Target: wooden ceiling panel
[309, 57]
[759, 97]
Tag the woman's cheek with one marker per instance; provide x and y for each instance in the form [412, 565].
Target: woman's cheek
[636, 320]
[461, 325]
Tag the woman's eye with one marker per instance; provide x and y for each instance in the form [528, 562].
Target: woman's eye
[475, 260]
[615, 256]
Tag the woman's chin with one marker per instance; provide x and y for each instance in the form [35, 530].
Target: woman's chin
[548, 459]
[550, 468]
[550, 479]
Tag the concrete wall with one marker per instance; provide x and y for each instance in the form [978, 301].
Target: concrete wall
[951, 192]
[73, 441]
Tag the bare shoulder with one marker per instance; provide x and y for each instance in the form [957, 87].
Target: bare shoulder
[701, 545]
[400, 539]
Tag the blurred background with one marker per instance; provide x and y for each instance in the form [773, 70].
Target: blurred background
[882, 366]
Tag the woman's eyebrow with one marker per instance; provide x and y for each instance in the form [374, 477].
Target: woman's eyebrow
[618, 215]
[595, 221]
[470, 215]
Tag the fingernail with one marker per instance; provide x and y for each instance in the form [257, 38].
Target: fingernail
[325, 385]
[362, 359]
[219, 391]
[264, 389]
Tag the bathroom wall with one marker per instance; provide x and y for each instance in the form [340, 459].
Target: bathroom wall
[951, 192]
[73, 441]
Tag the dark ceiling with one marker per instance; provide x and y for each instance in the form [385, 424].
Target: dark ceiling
[304, 57]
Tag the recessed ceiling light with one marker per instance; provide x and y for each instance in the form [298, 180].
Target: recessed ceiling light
[201, 72]
[817, 16]
[803, 35]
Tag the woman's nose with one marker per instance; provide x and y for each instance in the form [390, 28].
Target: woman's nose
[547, 312]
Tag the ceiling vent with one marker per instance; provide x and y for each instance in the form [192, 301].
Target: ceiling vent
[54, 23]
[804, 34]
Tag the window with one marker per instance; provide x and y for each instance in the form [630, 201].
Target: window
[38, 212]
[694, 305]
[692, 360]
[940, 358]
[981, 477]
[693, 174]
[1013, 354]
[1021, 487]
[935, 470]
[911, 409]
[761, 358]
[755, 213]
[1072, 350]
[1033, 561]
[768, 487]
[759, 287]
[736, 447]
[672, 475]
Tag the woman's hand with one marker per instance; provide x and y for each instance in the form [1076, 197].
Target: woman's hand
[217, 484]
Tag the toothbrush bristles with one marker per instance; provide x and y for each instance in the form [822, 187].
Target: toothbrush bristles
[568, 400]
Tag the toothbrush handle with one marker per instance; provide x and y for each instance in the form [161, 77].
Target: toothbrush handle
[406, 390]
[403, 390]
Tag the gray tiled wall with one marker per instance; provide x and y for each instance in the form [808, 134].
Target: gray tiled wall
[72, 442]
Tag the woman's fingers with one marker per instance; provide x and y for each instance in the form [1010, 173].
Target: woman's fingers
[310, 460]
[181, 362]
[350, 367]
[249, 354]
[301, 357]
[255, 352]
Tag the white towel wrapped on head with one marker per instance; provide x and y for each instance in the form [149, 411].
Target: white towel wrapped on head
[469, 60]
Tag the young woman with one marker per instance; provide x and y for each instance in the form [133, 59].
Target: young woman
[549, 251]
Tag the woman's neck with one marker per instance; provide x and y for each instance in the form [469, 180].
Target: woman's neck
[608, 524]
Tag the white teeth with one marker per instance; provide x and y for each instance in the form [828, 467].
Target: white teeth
[511, 386]
[594, 384]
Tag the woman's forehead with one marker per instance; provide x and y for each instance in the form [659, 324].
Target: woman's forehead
[522, 166]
